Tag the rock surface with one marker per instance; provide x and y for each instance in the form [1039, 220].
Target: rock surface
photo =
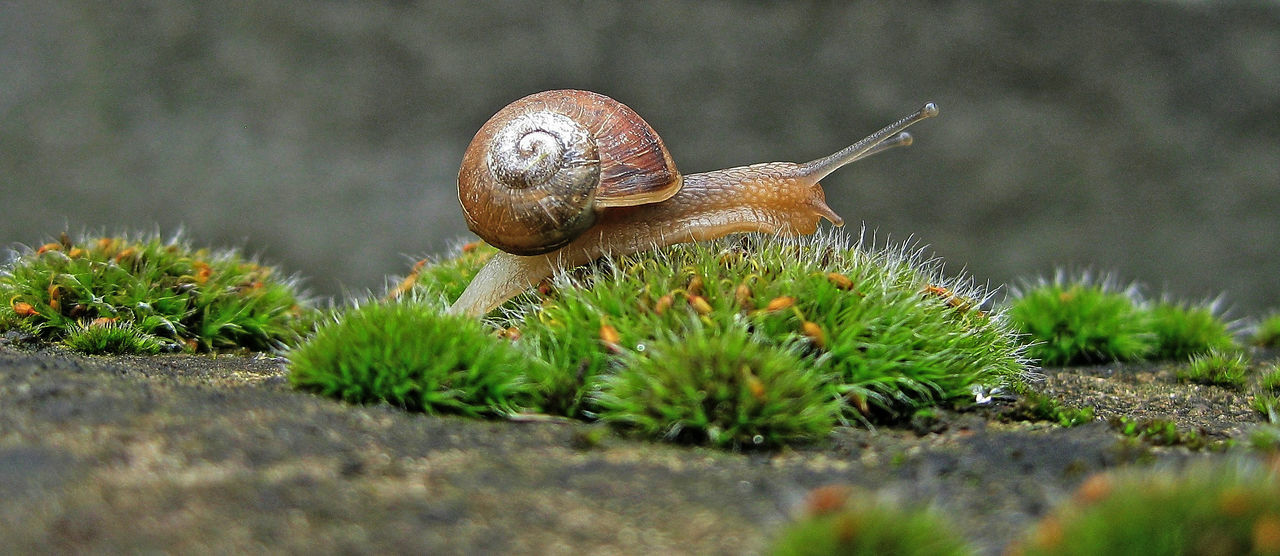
[186, 454]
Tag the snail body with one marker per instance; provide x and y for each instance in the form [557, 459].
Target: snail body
[560, 178]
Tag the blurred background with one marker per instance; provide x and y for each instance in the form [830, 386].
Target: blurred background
[1141, 138]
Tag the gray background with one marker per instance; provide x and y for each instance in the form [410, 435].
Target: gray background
[1137, 137]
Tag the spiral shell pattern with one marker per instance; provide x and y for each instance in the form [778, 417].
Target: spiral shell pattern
[539, 172]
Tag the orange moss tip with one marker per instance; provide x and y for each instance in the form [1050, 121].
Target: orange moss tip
[754, 384]
[815, 334]
[700, 304]
[742, 296]
[840, 281]
[408, 282]
[510, 333]
[609, 335]
[780, 303]
[55, 297]
[546, 288]
[827, 499]
[23, 309]
[858, 402]
[937, 290]
[959, 303]
[1094, 489]
[695, 285]
[663, 304]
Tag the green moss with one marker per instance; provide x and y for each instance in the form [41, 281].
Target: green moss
[1036, 406]
[1269, 381]
[1268, 331]
[846, 526]
[410, 355]
[723, 387]
[1265, 438]
[1227, 508]
[1161, 432]
[1268, 404]
[111, 337]
[161, 291]
[1184, 329]
[890, 330]
[876, 332]
[1218, 368]
[1077, 320]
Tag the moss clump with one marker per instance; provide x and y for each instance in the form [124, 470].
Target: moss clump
[410, 355]
[1265, 438]
[1268, 404]
[1077, 320]
[1185, 329]
[154, 290]
[1268, 331]
[1219, 368]
[836, 524]
[1207, 509]
[105, 336]
[892, 334]
[1269, 380]
[720, 386]
[1161, 432]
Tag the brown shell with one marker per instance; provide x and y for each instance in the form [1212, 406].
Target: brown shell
[538, 172]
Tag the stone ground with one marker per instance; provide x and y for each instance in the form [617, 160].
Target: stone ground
[194, 454]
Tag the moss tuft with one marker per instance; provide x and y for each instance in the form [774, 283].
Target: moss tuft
[1269, 380]
[111, 337]
[723, 387]
[1268, 332]
[1265, 438]
[158, 290]
[1183, 330]
[1267, 403]
[1079, 320]
[1162, 432]
[835, 523]
[880, 333]
[1218, 368]
[893, 334]
[410, 355]
[1206, 509]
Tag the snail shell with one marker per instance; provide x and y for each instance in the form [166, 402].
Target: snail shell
[539, 172]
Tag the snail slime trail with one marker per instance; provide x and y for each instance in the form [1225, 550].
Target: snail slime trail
[560, 178]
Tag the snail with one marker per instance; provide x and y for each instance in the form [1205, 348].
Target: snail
[561, 178]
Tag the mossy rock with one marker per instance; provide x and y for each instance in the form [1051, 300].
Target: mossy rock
[883, 327]
[144, 293]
